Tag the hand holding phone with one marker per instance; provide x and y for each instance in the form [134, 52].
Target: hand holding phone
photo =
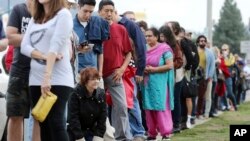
[85, 47]
[85, 43]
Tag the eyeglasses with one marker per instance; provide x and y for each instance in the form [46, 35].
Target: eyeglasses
[224, 49]
[148, 36]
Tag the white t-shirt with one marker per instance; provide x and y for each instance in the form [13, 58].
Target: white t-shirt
[84, 24]
[180, 72]
[50, 37]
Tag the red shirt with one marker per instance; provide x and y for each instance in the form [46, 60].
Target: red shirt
[224, 68]
[115, 49]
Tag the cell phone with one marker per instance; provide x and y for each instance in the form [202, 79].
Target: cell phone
[85, 43]
[91, 45]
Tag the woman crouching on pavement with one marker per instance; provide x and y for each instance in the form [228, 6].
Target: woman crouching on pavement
[87, 108]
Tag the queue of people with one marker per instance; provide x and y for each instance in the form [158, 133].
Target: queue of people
[154, 81]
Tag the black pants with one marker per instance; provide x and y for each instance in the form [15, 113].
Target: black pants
[214, 99]
[54, 126]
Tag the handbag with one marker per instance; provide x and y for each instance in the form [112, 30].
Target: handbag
[190, 88]
[43, 106]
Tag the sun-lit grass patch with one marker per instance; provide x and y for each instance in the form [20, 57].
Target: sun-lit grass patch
[216, 129]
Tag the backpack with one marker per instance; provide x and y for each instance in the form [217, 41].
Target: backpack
[178, 56]
[194, 59]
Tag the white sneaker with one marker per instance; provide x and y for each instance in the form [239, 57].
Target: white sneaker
[188, 124]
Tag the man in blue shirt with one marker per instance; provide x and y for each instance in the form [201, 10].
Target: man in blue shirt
[90, 30]
[139, 41]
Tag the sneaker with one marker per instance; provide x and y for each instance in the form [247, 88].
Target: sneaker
[188, 124]
[192, 121]
[205, 117]
[151, 139]
[200, 117]
[177, 130]
[213, 115]
[165, 138]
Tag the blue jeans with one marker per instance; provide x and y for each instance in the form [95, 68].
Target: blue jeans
[89, 136]
[176, 113]
[28, 128]
[229, 93]
[135, 119]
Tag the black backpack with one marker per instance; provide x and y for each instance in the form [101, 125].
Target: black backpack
[194, 58]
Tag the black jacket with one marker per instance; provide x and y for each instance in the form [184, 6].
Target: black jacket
[87, 113]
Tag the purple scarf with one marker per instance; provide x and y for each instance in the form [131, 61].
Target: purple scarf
[154, 55]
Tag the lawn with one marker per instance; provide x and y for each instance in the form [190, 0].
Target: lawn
[216, 129]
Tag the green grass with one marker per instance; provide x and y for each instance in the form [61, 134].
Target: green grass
[217, 129]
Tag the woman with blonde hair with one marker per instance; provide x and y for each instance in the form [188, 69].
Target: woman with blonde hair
[229, 62]
[47, 42]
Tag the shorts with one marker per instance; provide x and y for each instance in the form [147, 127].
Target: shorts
[17, 97]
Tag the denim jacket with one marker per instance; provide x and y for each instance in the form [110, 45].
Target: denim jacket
[210, 63]
[96, 31]
[138, 38]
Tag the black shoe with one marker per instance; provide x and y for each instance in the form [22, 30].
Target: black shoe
[213, 115]
[165, 138]
[236, 107]
[192, 121]
[151, 138]
[2, 95]
[177, 130]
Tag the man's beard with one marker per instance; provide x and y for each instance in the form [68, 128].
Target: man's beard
[202, 46]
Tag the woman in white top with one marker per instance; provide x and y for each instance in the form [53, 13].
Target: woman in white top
[47, 42]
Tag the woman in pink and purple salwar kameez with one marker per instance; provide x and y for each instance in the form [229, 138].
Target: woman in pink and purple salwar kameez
[158, 87]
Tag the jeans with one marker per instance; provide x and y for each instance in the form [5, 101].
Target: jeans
[135, 119]
[28, 128]
[208, 98]
[229, 93]
[201, 96]
[194, 106]
[89, 136]
[176, 113]
[214, 99]
[53, 128]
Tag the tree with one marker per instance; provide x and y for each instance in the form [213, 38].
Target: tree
[230, 28]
